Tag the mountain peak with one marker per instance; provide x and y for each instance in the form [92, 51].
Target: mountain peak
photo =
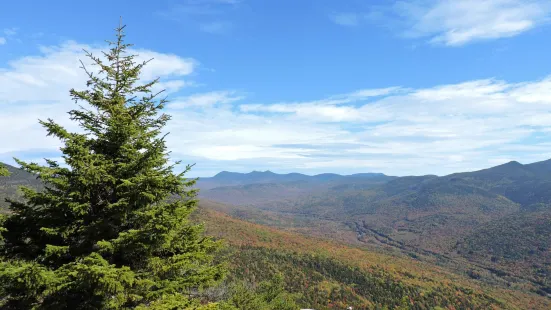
[509, 167]
[223, 173]
[261, 172]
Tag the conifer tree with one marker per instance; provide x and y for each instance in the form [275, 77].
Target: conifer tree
[269, 295]
[111, 228]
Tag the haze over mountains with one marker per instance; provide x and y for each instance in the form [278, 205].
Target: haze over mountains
[226, 178]
[524, 184]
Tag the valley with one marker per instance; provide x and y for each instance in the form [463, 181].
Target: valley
[331, 275]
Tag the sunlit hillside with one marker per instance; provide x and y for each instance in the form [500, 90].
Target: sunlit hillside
[331, 275]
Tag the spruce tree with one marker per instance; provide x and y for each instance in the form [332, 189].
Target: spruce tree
[269, 295]
[111, 229]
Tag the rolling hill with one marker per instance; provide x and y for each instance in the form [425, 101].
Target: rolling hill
[9, 186]
[331, 275]
[525, 184]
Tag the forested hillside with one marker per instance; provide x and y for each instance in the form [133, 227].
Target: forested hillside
[9, 187]
[330, 275]
[518, 243]
[448, 217]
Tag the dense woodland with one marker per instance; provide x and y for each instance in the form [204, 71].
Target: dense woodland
[492, 225]
[115, 227]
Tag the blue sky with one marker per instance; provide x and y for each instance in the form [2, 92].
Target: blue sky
[400, 87]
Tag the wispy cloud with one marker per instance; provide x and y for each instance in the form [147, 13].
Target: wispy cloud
[216, 27]
[396, 130]
[456, 23]
[346, 19]
[332, 109]
[10, 31]
[225, 1]
[459, 22]
[208, 15]
[206, 99]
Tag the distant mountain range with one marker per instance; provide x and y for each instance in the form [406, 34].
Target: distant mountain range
[259, 188]
[226, 178]
[526, 185]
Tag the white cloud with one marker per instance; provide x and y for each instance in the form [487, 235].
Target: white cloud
[49, 77]
[37, 87]
[454, 23]
[217, 27]
[396, 130]
[206, 99]
[235, 152]
[10, 31]
[441, 129]
[209, 16]
[331, 109]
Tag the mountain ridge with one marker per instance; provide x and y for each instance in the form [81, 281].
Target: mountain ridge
[227, 178]
[419, 214]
